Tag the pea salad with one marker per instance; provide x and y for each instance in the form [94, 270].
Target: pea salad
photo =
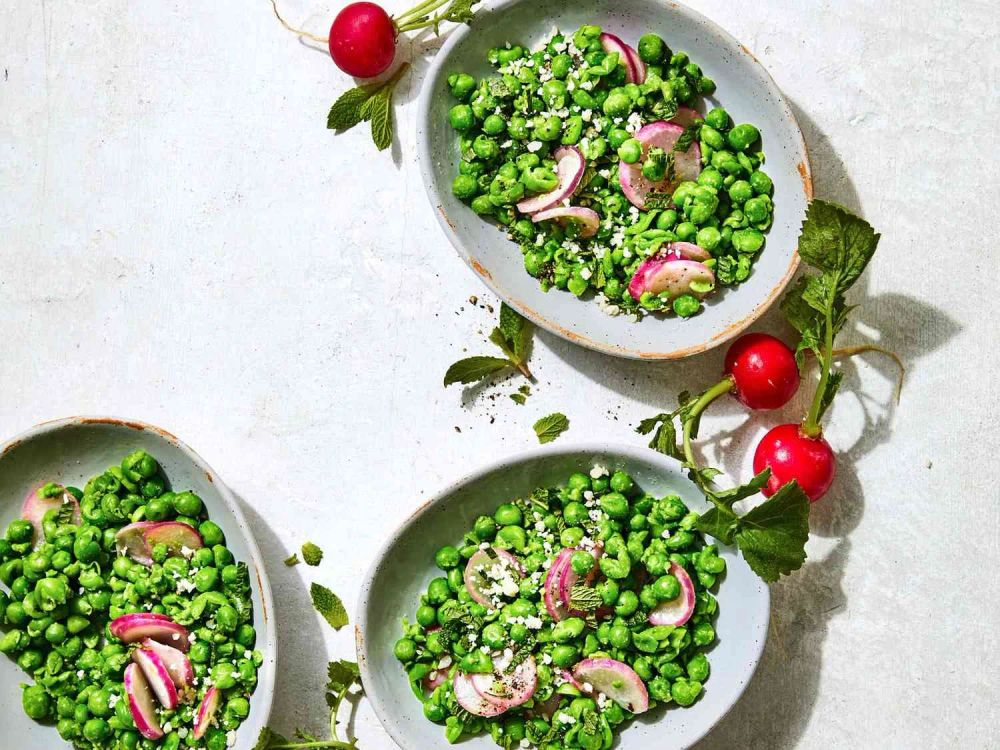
[594, 158]
[563, 615]
[129, 612]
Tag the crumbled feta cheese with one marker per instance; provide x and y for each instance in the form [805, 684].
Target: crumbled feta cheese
[599, 471]
[534, 146]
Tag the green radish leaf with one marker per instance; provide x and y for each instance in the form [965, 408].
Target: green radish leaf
[751, 488]
[772, 536]
[718, 522]
[549, 428]
[473, 369]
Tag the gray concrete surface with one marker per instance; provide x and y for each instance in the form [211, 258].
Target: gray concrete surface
[182, 241]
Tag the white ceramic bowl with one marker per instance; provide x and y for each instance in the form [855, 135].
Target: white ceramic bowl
[745, 90]
[70, 451]
[405, 566]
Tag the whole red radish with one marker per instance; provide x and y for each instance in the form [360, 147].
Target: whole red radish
[763, 369]
[363, 40]
[791, 454]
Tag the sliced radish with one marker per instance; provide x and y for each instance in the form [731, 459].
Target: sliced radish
[686, 116]
[469, 699]
[568, 578]
[206, 712]
[136, 627]
[589, 218]
[616, 680]
[687, 251]
[629, 57]
[138, 539]
[156, 674]
[570, 166]
[503, 569]
[34, 508]
[568, 677]
[511, 688]
[677, 611]
[660, 274]
[140, 703]
[661, 134]
[431, 683]
[177, 664]
[551, 595]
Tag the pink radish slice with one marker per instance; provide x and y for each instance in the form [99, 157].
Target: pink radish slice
[136, 627]
[661, 134]
[678, 610]
[688, 251]
[35, 507]
[511, 688]
[616, 680]
[569, 678]
[175, 535]
[140, 703]
[686, 116]
[551, 595]
[590, 219]
[469, 699]
[569, 578]
[570, 166]
[629, 57]
[178, 665]
[440, 677]
[131, 540]
[206, 712]
[661, 274]
[476, 581]
[156, 674]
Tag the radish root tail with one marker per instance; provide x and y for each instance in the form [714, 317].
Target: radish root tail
[850, 351]
[299, 32]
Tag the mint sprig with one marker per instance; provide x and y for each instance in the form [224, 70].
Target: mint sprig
[371, 103]
[512, 336]
[549, 428]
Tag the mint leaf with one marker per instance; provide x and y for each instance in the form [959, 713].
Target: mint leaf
[293, 560]
[380, 115]
[329, 605]
[584, 598]
[516, 330]
[472, 369]
[684, 141]
[346, 111]
[773, 535]
[311, 554]
[549, 428]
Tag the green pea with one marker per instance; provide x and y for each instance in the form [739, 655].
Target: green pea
[561, 65]
[615, 505]
[740, 192]
[158, 509]
[703, 634]
[583, 99]
[485, 528]
[581, 562]
[461, 118]
[761, 183]
[512, 537]
[708, 238]
[494, 125]
[618, 104]
[461, 85]
[224, 675]
[666, 588]
[685, 692]
[206, 579]
[565, 656]
[747, 240]
[630, 151]
[20, 531]
[686, 305]
[621, 636]
[226, 619]
[718, 118]
[508, 514]
[548, 128]
[438, 591]
[757, 209]
[188, 504]
[573, 130]
[139, 465]
[698, 667]
[211, 533]
[575, 514]
[652, 49]
[493, 635]
[519, 633]
[627, 604]
[571, 536]
[447, 558]
[554, 93]
[742, 136]
[517, 128]
[405, 650]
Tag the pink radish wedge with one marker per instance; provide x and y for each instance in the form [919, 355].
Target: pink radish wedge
[140, 703]
[512, 687]
[490, 573]
[661, 134]
[686, 116]
[178, 665]
[661, 274]
[569, 578]
[469, 699]
[206, 712]
[551, 595]
[34, 508]
[136, 627]
[156, 674]
[616, 680]
[589, 220]
[635, 69]
[687, 251]
[570, 166]
[138, 539]
[677, 611]
[131, 540]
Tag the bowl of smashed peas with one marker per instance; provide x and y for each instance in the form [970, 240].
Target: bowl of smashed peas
[559, 599]
[134, 612]
[629, 178]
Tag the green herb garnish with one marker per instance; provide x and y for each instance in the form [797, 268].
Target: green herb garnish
[549, 428]
[292, 560]
[329, 605]
[513, 336]
[311, 554]
[371, 103]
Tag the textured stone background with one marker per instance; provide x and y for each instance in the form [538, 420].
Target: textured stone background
[182, 241]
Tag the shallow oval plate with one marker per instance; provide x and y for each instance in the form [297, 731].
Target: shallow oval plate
[745, 90]
[405, 565]
[70, 451]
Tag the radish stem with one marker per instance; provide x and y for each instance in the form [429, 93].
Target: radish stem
[811, 426]
[721, 388]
